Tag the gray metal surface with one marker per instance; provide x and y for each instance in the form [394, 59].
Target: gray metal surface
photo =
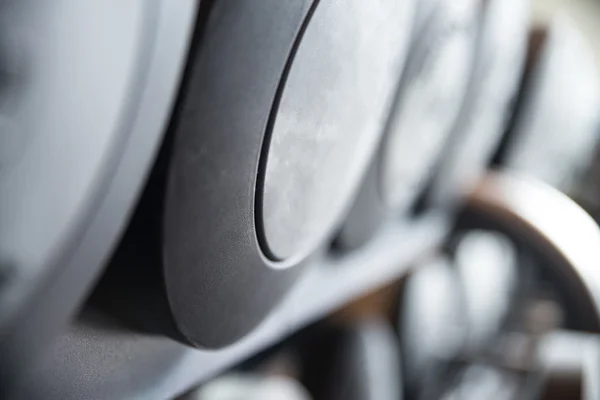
[428, 100]
[499, 66]
[366, 215]
[430, 97]
[331, 115]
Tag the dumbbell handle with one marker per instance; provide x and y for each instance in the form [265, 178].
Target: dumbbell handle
[543, 220]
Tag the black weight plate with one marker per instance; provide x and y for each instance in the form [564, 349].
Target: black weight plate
[220, 282]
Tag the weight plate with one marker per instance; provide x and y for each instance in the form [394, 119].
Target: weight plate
[483, 120]
[243, 140]
[430, 97]
[428, 100]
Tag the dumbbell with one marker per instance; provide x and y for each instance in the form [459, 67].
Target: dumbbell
[281, 111]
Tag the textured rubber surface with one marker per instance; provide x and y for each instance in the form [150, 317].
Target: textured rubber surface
[218, 281]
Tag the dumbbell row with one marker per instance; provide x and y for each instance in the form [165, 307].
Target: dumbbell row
[295, 126]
